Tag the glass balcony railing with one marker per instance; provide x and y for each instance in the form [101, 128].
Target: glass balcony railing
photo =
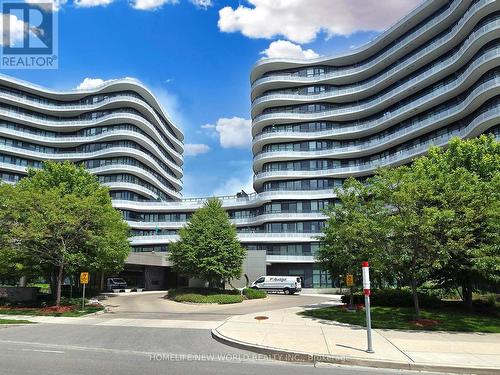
[404, 42]
[88, 121]
[400, 156]
[489, 27]
[395, 115]
[432, 94]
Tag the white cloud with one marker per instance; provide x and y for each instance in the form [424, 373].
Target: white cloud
[16, 28]
[151, 4]
[234, 185]
[45, 4]
[193, 149]
[91, 3]
[170, 104]
[90, 83]
[284, 48]
[204, 4]
[302, 20]
[232, 132]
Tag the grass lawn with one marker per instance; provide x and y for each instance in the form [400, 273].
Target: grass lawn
[12, 321]
[72, 311]
[448, 318]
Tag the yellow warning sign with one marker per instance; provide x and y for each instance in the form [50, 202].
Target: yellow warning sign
[349, 280]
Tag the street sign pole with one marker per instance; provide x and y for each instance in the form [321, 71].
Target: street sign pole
[366, 288]
[84, 280]
[83, 298]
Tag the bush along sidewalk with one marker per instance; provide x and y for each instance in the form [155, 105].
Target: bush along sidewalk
[393, 309]
[69, 307]
[209, 295]
[393, 298]
[254, 293]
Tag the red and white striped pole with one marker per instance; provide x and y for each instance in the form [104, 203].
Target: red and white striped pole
[366, 288]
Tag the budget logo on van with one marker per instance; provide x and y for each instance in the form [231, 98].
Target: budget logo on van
[29, 35]
[280, 279]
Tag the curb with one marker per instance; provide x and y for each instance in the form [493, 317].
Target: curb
[296, 356]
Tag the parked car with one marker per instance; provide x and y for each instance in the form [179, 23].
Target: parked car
[285, 284]
[116, 283]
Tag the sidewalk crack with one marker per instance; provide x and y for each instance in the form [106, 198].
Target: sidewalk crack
[326, 341]
[399, 350]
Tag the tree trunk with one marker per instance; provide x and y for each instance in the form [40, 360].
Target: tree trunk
[101, 287]
[53, 284]
[59, 285]
[467, 293]
[23, 281]
[415, 297]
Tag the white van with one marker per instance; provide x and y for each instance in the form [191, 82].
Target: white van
[116, 284]
[286, 284]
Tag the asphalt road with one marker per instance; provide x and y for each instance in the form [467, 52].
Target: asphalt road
[155, 306]
[56, 349]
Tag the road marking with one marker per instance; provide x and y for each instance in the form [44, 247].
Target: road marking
[43, 351]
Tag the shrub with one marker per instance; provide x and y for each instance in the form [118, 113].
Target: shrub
[394, 298]
[254, 293]
[72, 301]
[205, 295]
[213, 298]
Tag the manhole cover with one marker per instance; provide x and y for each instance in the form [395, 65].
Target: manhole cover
[261, 318]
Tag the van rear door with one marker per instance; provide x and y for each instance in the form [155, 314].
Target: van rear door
[298, 283]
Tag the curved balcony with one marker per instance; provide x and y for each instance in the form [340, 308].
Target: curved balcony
[475, 99]
[117, 185]
[115, 85]
[432, 122]
[153, 240]
[243, 237]
[265, 237]
[142, 174]
[374, 145]
[253, 201]
[117, 101]
[81, 140]
[108, 152]
[367, 66]
[128, 186]
[73, 125]
[270, 258]
[433, 73]
[431, 99]
[480, 124]
[251, 220]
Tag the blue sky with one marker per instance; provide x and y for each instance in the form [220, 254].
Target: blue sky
[197, 60]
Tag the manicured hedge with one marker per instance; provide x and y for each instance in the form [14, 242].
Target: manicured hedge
[213, 298]
[254, 293]
[393, 298]
[205, 295]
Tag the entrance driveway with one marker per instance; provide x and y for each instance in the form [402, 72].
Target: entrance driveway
[155, 306]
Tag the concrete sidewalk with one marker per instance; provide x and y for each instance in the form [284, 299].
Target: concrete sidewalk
[286, 335]
[93, 320]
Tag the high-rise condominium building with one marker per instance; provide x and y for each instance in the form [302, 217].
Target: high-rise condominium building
[432, 76]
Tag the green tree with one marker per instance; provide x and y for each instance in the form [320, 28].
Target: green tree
[13, 265]
[411, 224]
[62, 221]
[208, 247]
[353, 232]
[437, 219]
[466, 184]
